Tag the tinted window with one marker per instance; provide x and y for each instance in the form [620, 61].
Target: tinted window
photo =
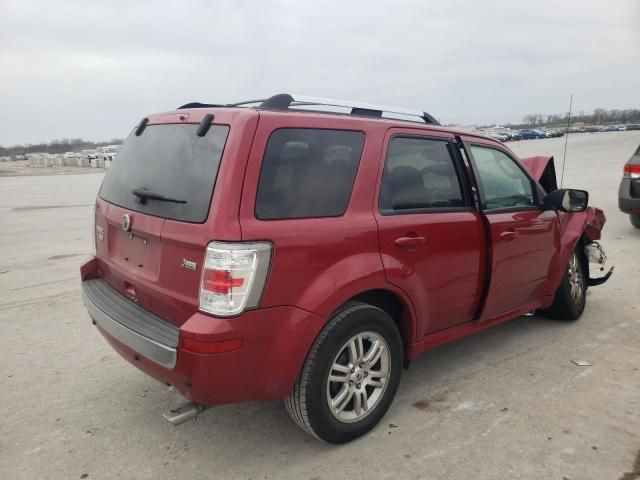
[419, 173]
[168, 160]
[504, 184]
[307, 173]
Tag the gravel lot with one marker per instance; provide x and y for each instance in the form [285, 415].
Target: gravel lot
[505, 403]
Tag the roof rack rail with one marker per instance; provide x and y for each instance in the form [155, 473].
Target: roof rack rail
[284, 101]
[199, 105]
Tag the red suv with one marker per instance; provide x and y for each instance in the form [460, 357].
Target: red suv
[278, 250]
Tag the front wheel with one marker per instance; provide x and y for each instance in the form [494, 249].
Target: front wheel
[571, 296]
[350, 376]
[635, 220]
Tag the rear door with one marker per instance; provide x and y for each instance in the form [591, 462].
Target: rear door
[153, 216]
[431, 237]
[524, 236]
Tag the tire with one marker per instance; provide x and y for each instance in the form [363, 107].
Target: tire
[571, 296]
[327, 409]
[635, 220]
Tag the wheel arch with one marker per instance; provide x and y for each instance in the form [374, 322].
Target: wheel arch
[396, 305]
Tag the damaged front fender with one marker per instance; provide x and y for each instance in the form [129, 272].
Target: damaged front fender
[580, 228]
[585, 227]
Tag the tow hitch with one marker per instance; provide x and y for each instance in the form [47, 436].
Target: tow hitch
[595, 254]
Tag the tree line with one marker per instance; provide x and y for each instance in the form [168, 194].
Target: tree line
[56, 146]
[600, 116]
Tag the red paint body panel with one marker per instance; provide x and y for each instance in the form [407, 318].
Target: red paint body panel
[526, 255]
[572, 227]
[536, 165]
[147, 259]
[450, 334]
[274, 344]
[444, 275]
[465, 277]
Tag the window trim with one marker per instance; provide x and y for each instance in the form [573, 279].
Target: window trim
[353, 184]
[478, 181]
[455, 159]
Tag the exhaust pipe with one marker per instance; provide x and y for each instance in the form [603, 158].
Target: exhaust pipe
[184, 413]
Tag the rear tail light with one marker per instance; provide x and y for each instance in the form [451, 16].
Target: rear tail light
[632, 171]
[233, 277]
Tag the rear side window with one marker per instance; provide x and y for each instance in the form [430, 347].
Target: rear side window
[419, 173]
[307, 173]
[169, 161]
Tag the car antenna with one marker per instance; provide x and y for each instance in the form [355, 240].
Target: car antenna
[566, 139]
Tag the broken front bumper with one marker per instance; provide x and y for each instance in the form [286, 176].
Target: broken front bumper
[596, 256]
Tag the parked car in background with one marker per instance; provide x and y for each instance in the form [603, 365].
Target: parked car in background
[498, 136]
[262, 251]
[514, 135]
[74, 159]
[629, 191]
[510, 134]
[531, 134]
[89, 154]
[633, 126]
[106, 155]
[553, 132]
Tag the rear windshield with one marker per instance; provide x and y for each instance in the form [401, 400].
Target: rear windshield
[169, 161]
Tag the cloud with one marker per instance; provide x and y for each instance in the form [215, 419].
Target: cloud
[92, 69]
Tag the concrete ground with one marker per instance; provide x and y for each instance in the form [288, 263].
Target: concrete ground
[505, 403]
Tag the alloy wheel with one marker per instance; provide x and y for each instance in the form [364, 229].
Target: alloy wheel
[576, 279]
[358, 377]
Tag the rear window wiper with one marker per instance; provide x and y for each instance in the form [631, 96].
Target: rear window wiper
[143, 194]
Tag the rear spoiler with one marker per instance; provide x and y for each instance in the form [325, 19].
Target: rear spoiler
[543, 170]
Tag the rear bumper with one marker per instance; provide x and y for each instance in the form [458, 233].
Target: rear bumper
[274, 344]
[628, 201]
[130, 324]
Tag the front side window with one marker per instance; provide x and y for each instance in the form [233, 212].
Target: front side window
[504, 184]
[307, 173]
[419, 173]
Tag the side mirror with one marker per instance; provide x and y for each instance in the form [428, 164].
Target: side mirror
[567, 200]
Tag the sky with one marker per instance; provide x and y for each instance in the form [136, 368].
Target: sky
[92, 69]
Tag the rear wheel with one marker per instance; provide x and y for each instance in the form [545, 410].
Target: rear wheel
[571, 296]
[350, 376]
[635, 220]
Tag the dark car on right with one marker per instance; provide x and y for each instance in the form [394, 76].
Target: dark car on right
[629, 193]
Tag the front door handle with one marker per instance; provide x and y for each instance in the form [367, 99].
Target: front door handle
[409, 241]
[508, 235]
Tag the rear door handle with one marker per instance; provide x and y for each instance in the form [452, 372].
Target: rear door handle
[508, 235]
[409, 241]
